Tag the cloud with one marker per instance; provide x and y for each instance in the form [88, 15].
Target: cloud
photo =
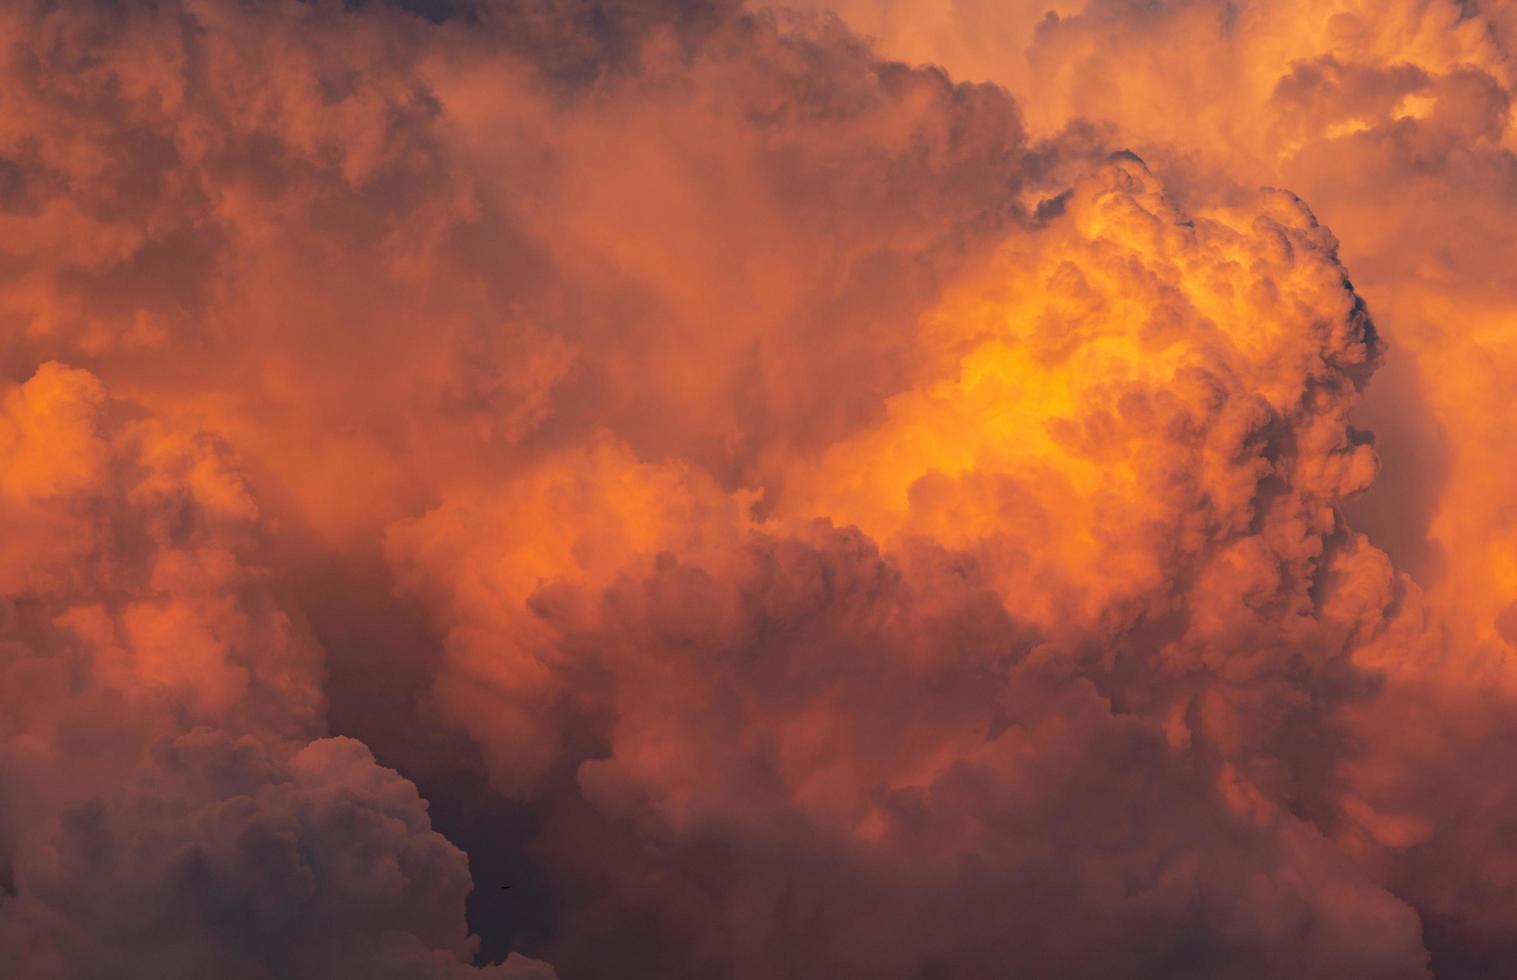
[1393, 120]
[165, 812]
[853, 521]
[755, 696]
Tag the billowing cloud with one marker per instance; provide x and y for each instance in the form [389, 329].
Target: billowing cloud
[794, 513]
[1124, 494]
[1394, 120]
[165, 811]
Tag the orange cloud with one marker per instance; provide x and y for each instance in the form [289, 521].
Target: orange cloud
[793, 513]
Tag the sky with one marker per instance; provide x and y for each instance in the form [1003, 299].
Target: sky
[730, 490]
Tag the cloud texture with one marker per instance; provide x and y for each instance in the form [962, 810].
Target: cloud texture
[792, 512]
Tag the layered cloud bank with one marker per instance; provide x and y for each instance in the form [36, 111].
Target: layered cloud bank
[793, 512]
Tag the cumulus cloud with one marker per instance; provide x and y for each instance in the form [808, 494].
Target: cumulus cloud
[165, 812]
[1394, 121]
[931, 794]
[854, 521]
[1116, 560]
